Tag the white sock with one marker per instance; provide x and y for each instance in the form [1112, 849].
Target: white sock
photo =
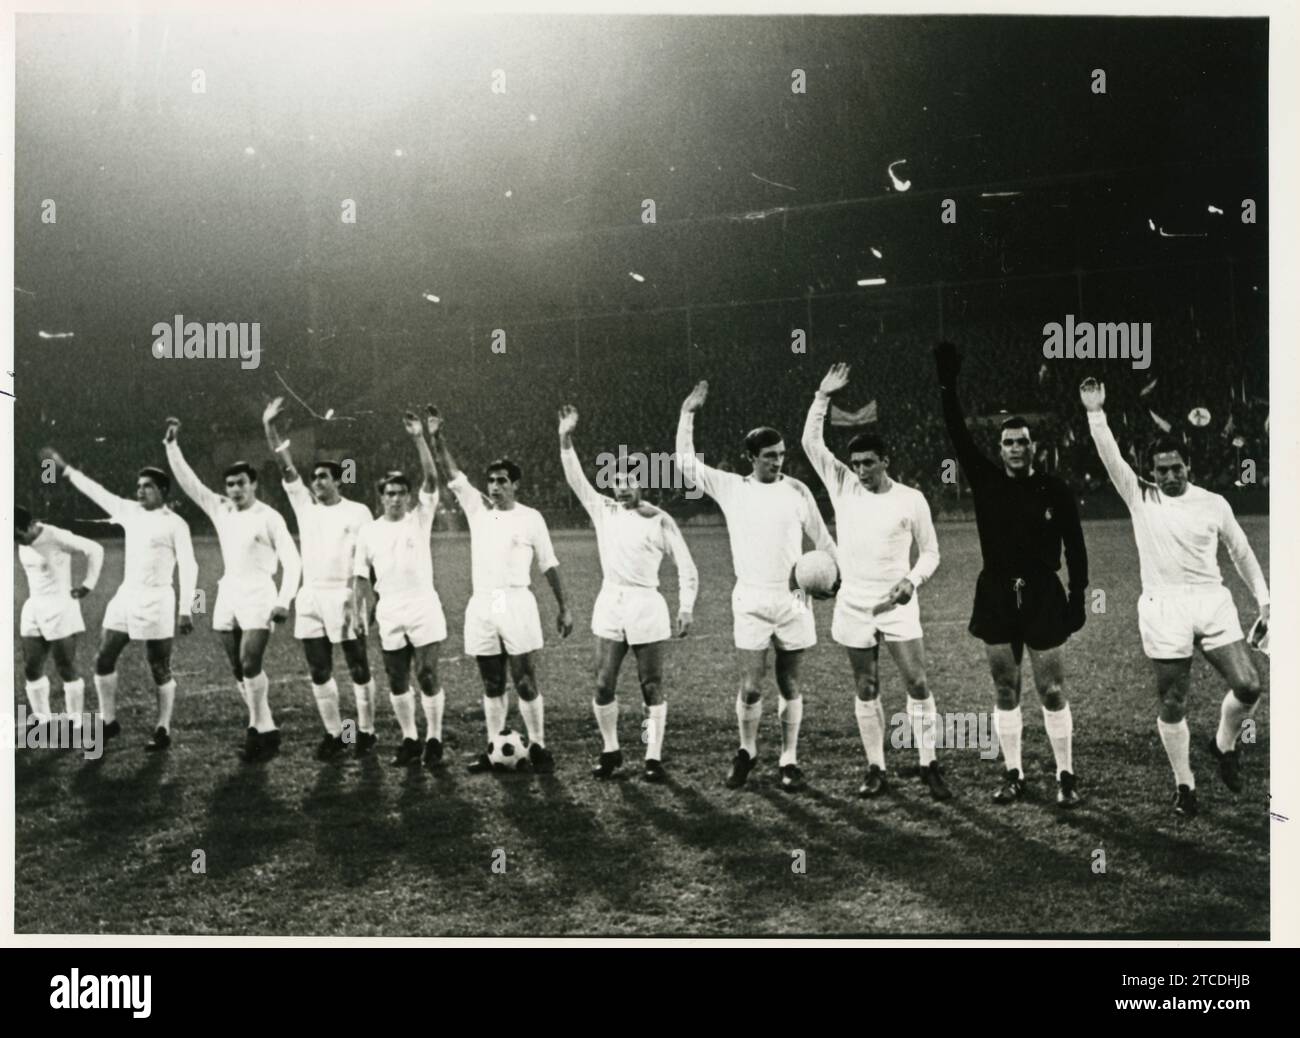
[433, 706]
[871, 726]
[1060, 731]
[1231, 715]
[923, 716]
[532, 712]
[327, 703]
[74, 699]
[246, 694]
[106, 696]
[748, 716]
[790, 711]
[495, 709]
[404, 708]
[1009, 724]
[607, 721]
[658, 718]
[365, 697]
[38, 698]
[259, 689]
[1178, 740]
[166, 700]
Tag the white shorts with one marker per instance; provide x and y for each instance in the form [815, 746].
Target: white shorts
[854, 626]
[506, 618]
[1172, 624]
[636, 615]
[318, 613]
[246, 606]
[51, 617]
[761, 614]
[144, 614]
[416, 618]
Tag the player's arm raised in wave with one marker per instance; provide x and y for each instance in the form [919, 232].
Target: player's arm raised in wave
[714, 482]
[415, 430]
[948, 364]
[1130, 486]
[185, 476]
[278, 444]
[587, 495]
[110, 503]
[469, 498]
[832, 471]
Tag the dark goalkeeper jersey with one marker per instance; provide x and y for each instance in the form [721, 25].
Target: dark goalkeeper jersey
[1022, 523]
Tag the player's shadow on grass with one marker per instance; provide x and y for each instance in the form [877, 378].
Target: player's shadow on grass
[119, 804]
[589, 861]
[245, 823]
[349, 824]
[439, 822]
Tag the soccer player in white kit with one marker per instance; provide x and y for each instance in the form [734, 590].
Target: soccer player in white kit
[767, 515]
[1178, 526]
[145, 607]
[253, 537]
[328, 524]
[876, 522]
[632, 537]
[502, 626]
[51, 617]
[409, 613]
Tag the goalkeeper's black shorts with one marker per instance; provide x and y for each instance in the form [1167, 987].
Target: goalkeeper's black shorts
[1029, 608]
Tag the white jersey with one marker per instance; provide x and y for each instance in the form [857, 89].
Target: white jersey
[252, 539]
[632, 541]
[503, 541]
[328, 534]
[765, 521]
[874, 532]
[399, 550]
[1177, 537]
[47, 562]
[157, 541]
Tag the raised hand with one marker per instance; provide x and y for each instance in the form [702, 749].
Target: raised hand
[836, 379]
[173, 429]
[1092, 393]
[697, 396]
[412, 424]
[568, 419]
[273, 410]
[432, 420]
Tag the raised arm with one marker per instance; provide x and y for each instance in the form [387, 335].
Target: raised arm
[279, 446]
[1093, 395]
[415, 430]
[111, 504]
[1243, 557]
[92, 551]
[712, 481]
[577, 479]
[185, 476]
[688, 577]
[948, 362]
[831, 471]
[470, 500]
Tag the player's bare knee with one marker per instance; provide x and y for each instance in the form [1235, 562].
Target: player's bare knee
[161, 671]
[917, 687]
[319, 675]
[1052, 697]
[652, 692]
[606, 684]
[105, 664]
[360, 672]
[1247, 687]
[1007, 695]
[32, 669]
[427, 679]
[249, 667]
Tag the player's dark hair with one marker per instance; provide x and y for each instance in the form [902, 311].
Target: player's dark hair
[396, 477]
[1167, 445]
[1016, 421]
[22, 518]
[758, 439]
[240, 467]
[160, 478]
[868, 441]
[513, 471]
[334, 468]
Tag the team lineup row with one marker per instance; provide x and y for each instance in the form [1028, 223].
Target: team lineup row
[1026, 520]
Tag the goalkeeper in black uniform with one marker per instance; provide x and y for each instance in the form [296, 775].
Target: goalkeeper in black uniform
[1023, 518]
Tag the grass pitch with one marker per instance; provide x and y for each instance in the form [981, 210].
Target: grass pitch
[363, 849]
